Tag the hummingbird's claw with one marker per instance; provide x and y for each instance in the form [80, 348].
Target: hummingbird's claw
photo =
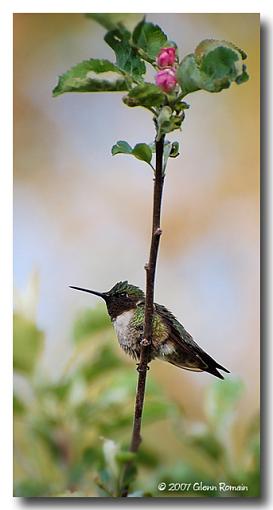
[142, 369]
[144, 342]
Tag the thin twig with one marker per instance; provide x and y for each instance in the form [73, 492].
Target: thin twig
[150, 268]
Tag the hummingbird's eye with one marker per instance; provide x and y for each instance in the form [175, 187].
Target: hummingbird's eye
[123, 294]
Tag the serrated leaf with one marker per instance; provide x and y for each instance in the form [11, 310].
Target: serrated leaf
[121, 147]
[213, 67]
[149, 38]
[143, 152]
[208, 45]
[145, 94]
[127, 58]
[83, 78]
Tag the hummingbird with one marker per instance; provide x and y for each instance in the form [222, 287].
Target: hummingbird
[170, 341]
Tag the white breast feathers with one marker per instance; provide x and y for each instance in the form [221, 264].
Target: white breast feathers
[121, 325]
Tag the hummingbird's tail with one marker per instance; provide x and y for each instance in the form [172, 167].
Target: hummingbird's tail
[205, 363]
[213, 367]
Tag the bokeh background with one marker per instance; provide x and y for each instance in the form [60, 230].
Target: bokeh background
[82, 217]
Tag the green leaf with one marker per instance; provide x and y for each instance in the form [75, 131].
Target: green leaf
[83, 78]
[168, 121]
[164, 116]
[143, 152]
[213, 67]
[145, 94]
[188, 75]
[174, 150]
[28, 342]
[140, 151]
[149, 38]
[121, 147]
[127, 58]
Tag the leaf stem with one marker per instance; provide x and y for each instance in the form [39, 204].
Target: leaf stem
[150, 268]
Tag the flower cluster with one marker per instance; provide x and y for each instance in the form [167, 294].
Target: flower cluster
[166, 76]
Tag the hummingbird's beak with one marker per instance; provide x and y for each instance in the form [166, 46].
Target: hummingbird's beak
[103, 295]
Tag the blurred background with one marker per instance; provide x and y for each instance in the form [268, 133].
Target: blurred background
[82, 217]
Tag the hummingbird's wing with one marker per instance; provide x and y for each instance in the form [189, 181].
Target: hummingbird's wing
[188, 354]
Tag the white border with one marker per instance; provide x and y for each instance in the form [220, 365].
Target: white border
[262, 6]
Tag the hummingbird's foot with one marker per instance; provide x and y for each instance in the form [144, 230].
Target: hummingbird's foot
[144, 342]
[142, 369]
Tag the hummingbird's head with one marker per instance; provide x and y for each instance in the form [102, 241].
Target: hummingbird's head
[122, 297]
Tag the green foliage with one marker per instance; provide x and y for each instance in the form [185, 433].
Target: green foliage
[168, 120]
[140, 151]
[147, 95]
[149, 38]
[28, 342]
[213, 67]
[83, 78]
[71, 436]
[127, 58]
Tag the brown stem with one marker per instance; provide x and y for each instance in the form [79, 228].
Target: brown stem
[150, 268]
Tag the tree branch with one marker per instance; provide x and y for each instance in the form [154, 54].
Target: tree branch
[150, 268]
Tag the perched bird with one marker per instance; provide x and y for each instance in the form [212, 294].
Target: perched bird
[170, 342]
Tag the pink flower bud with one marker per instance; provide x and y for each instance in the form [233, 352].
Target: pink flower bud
[166, 57]
[166, 79]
